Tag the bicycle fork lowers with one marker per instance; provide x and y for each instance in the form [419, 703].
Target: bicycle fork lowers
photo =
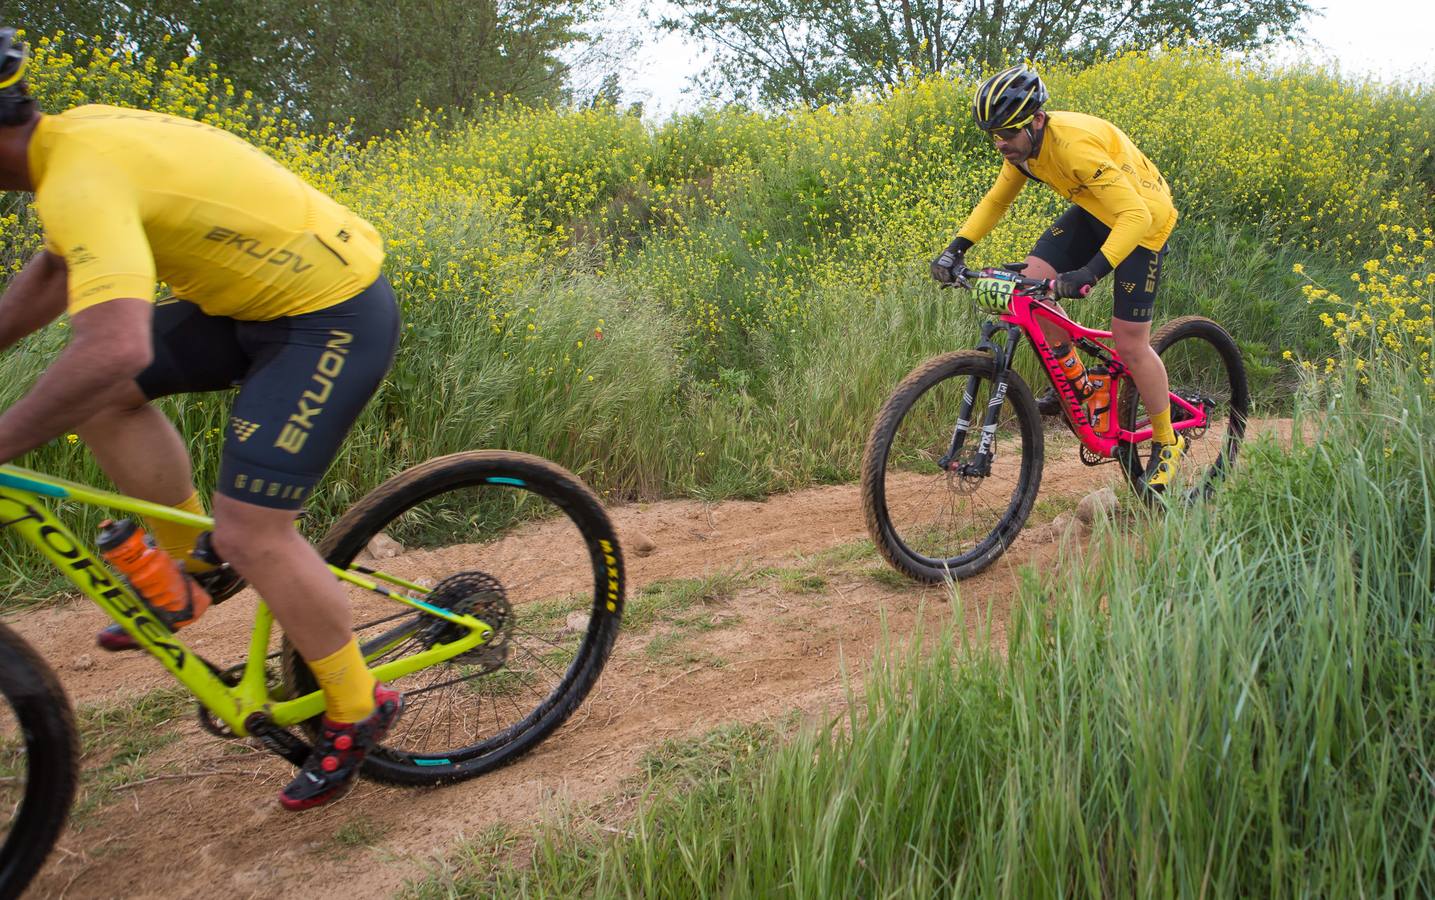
[980, 465]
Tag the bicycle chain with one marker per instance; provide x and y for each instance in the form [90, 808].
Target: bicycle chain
[231, 678]
[476, 594]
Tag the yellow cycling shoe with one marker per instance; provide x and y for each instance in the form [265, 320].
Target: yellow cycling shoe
[1162, 469]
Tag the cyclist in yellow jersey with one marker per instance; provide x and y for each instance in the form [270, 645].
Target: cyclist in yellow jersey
[276, 290]
[1120, 220]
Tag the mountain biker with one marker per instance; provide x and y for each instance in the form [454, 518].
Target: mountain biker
[1120, 219]
[276, 289]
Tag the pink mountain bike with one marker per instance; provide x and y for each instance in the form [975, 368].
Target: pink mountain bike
[954, 461]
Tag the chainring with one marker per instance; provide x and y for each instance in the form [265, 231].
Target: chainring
[476, 594]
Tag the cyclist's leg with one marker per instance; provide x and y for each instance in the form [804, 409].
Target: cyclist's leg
[135, 443]
[1135, 295]
[264, 546]
[139, 448]
[1136, 280]
[312, 376]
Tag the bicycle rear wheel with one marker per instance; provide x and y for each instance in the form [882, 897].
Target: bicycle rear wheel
[38, 752]
[514, 540]
[1205, 369]
[932, 524]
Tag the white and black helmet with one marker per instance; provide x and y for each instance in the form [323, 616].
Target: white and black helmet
[1008, 99]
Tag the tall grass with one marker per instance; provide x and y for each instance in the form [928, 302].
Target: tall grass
[1238, 702]
[715, 305]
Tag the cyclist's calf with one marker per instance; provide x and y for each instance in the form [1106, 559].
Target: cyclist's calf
[262, 545]
[1133, 345]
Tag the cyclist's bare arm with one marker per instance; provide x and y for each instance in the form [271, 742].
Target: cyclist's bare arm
[34, 298]
[110, 344]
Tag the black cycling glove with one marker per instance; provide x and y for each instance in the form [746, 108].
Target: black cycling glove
[1077, 283]
[944, 267]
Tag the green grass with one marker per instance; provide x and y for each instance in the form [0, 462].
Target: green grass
[842, 554]
[498, 861]
[675, 647]
[795, 581]
[1238, 704]
[762, 279]
[664, 599]
[118, 741]
[469, 870]
[1049, 506]
[358, 833]
[888, 577]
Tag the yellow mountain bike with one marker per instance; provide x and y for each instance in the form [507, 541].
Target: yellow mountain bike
[494, 609]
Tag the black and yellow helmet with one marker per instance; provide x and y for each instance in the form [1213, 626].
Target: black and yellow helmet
[1008, 99]
[15, 103]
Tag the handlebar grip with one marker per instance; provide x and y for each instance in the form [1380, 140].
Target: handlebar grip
[1085, 289]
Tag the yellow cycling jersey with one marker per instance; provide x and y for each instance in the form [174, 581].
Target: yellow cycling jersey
[129, 198]
[1096, 166]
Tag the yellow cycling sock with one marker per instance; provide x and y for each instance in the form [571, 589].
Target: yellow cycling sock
[1161, 430]
[347, 683]
[178, 540]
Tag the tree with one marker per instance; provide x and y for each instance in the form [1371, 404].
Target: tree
[434, 54]
[369, 60]
[781, 52]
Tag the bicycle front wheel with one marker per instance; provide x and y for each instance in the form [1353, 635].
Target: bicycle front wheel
[1204, 366]
[514, 540]
[38, 753]
[932, 523]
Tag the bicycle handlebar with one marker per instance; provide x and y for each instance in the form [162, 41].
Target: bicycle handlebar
[1042, 288]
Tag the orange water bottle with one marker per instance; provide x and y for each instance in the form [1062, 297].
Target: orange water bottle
[152, 573]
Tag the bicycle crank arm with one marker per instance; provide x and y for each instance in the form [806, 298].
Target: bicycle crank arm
[279, 741]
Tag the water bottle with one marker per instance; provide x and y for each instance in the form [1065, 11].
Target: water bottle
[152, 573]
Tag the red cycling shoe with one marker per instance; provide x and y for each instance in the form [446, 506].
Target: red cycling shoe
[334, 765]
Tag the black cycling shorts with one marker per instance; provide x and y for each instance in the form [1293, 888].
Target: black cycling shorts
[1076, 236]
[302, 381]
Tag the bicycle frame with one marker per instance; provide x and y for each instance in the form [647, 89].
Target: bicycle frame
[1025, 313]
[23, 509]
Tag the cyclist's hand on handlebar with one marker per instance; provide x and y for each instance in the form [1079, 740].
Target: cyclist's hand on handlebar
[1076, 283]
[947, 268]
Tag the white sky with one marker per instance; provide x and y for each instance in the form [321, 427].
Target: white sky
[1383, 39]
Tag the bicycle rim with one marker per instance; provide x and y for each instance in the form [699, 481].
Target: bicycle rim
[37, 762]
[1205, 369]
[932, 523]
[532, 554]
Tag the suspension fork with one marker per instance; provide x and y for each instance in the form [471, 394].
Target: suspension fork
[1002, 353]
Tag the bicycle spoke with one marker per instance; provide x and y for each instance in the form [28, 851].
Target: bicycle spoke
[934, 521]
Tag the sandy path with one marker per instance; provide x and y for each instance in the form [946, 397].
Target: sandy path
[773, 651]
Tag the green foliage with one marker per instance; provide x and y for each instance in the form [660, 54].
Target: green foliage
[1238, 704]
[369, 66]
[784, 52]
[716, 306]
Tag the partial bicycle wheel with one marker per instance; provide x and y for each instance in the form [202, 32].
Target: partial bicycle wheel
[516, 541]
[38, 753]
[933, 523]
[1205, 369]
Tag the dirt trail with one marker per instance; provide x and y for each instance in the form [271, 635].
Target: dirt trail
[210, 824]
